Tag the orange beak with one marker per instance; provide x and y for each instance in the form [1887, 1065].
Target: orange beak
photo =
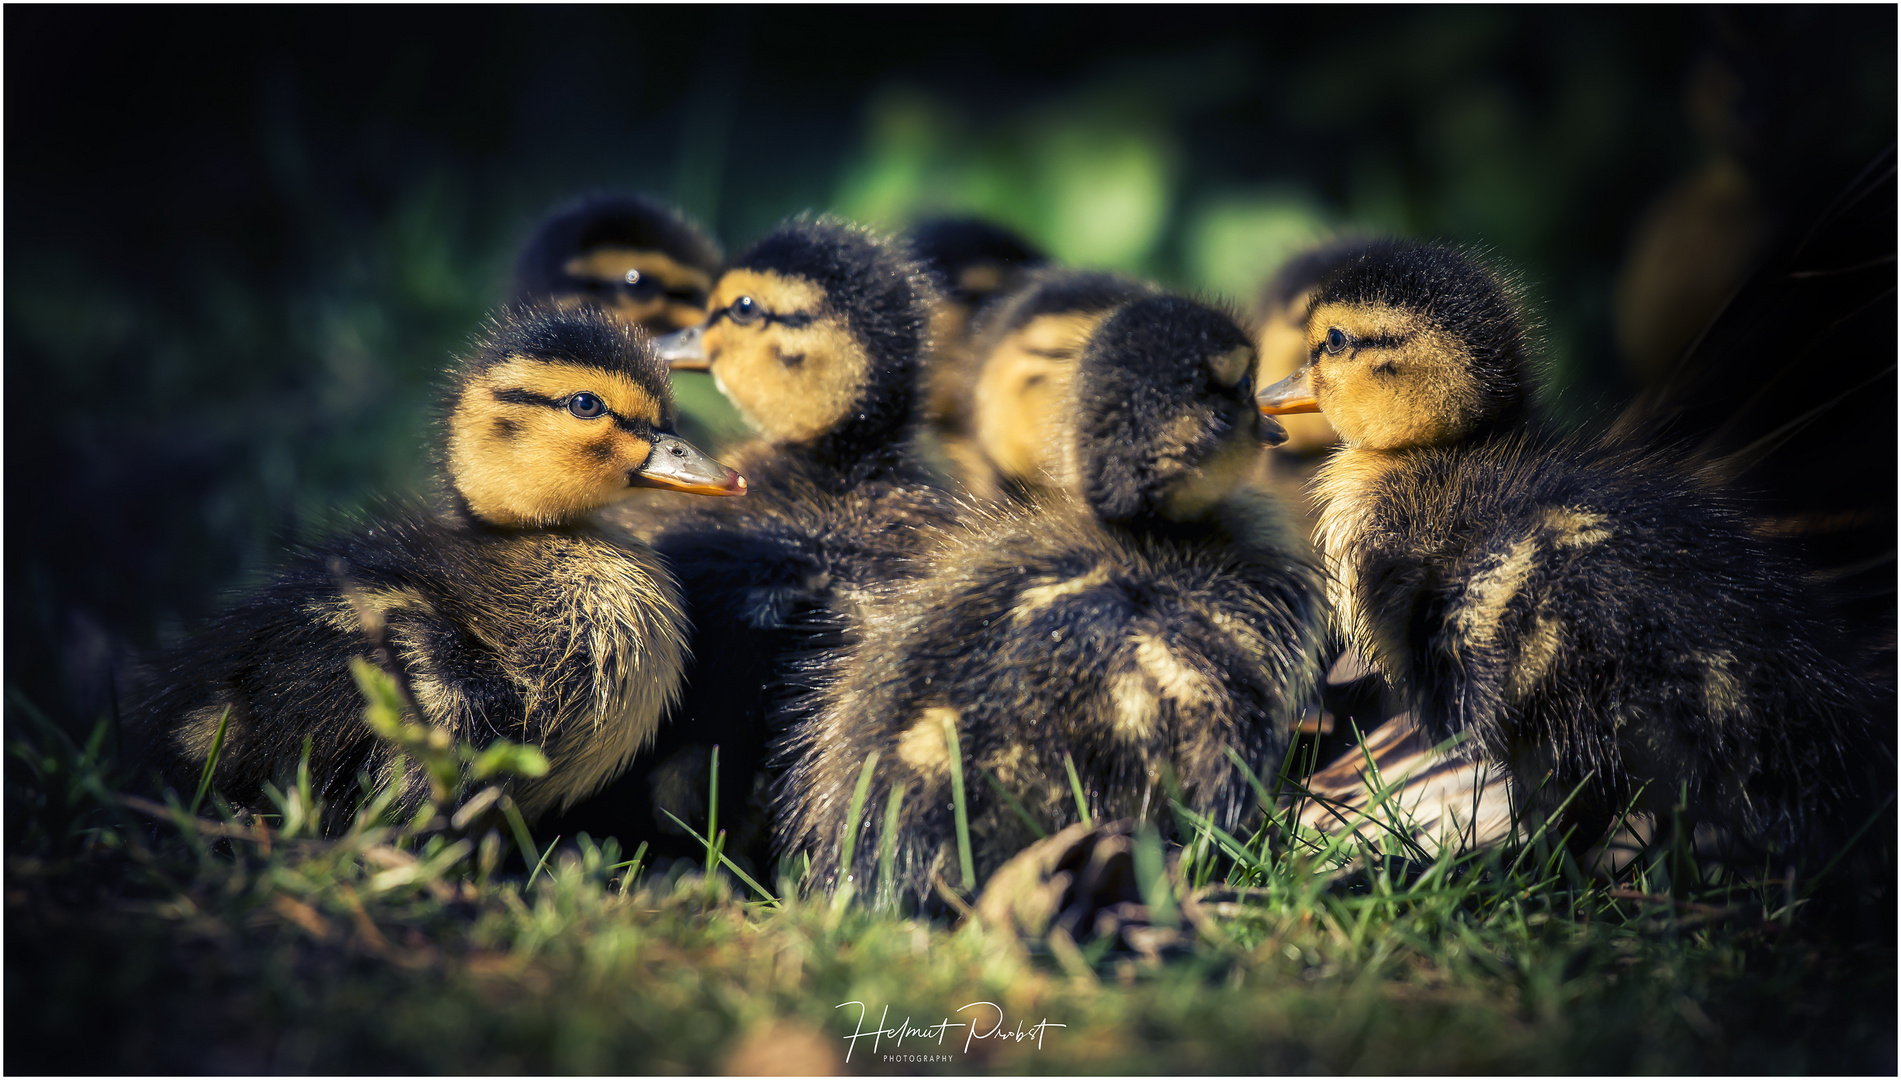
[1294, 394]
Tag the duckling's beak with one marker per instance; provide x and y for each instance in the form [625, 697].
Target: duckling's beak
[681, 466]
[1294, 394]
[684, 350]
[1269, 430]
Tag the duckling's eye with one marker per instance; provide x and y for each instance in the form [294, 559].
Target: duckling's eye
[639, 286]
[744, 310]
[1337, 340]
[586, 405]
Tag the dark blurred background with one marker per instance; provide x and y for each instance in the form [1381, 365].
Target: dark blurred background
[241, 243]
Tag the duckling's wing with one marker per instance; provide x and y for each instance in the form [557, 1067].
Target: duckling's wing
[1789, 395]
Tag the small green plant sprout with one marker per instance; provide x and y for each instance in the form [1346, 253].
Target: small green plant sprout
[452, 767]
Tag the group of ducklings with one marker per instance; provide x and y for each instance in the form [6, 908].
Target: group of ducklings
[1006, 529]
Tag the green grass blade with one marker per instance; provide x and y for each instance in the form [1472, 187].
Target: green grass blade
[543, 862]
[1011, 801]
[1235, 848]
[1545, 825]
[724, 861]
[712, 812]
[848, 847]
[888, 846]
[1076, 789]
[211, 761]
[524, 842]
[632, 866]
[964, 863]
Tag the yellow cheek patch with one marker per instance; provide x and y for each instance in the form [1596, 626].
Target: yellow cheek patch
[1022, 392]
[792, 383]
[1406, 383]
[520, 457]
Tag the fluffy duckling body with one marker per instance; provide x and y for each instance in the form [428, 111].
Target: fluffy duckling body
[814, 335]
[508, 614]
[1028, 343]
[1138, 627]
[1594, 615]
[630, 255]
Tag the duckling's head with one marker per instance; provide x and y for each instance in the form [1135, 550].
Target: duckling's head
[969, 260]
[1412, 344]
[1279, 319]
[628, 254]
[971, 263]
[814, 335]
[557, 413]
[1165, 424]
[1029, 342]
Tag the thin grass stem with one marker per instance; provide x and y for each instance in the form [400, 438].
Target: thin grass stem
[543, 861]
[964, 863]
[1076, 789]
[849, 844]
[724, 861]
[1011, 801]
[211, 761]
[712, 812]
[888, 848]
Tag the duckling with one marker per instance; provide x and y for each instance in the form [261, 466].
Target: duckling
[971, 263]
[1353, 697]
[508, 613]
[630, 255]
[1279, 322]
[1594, 615]
[814, 334]
[1026, 344]
[1137, 627]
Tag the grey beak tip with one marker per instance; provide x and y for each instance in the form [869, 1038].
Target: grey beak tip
[680, 345]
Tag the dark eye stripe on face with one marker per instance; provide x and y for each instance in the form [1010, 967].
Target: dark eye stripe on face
[792, 320]
[518, 396]
[1382, 341]
[1354, 345]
